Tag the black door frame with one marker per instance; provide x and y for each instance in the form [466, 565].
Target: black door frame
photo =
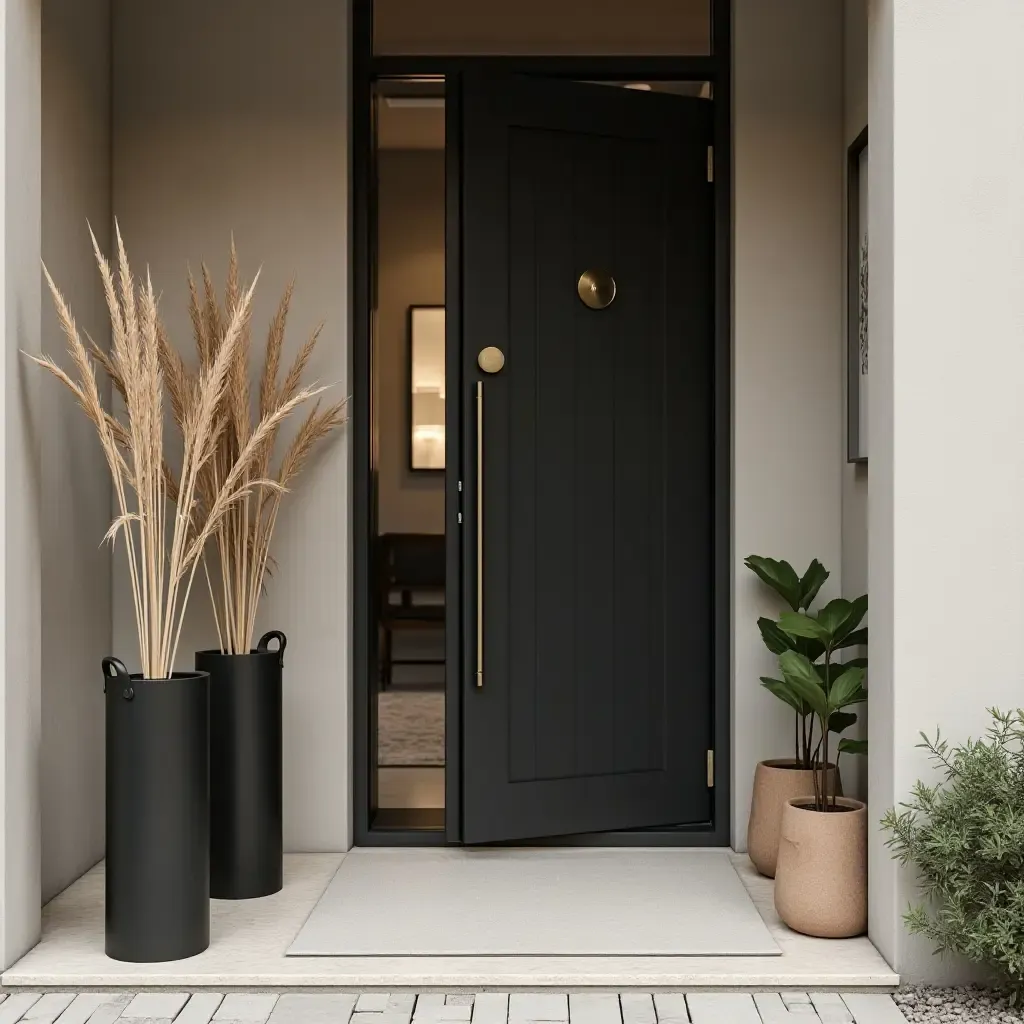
[366, 69]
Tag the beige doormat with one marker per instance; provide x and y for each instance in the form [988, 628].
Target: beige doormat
[553, 902]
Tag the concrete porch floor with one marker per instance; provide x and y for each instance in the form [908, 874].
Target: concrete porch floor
[249, 940]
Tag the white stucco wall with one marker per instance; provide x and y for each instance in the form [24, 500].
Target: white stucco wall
[947, 356]
[20, 80]
[76, 507]
[231, 117]
[787, 336]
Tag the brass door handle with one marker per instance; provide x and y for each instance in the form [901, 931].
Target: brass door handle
[479, 534]
[596, 289]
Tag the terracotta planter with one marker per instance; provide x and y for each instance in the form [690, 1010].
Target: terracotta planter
[821, 884]
[775, 784]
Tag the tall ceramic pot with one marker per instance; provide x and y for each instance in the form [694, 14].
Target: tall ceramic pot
[821, 883]
[775, 784]
[246, 805]
[158, 815]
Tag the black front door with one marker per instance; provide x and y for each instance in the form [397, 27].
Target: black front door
[592, 708]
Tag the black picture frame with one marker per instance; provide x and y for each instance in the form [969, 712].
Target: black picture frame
[410, 376]
[856, 301]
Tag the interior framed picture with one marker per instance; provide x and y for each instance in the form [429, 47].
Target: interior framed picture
[857, 300]
[426, 388]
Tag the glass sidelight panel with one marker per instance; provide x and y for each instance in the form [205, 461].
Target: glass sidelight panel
[540, 27]
[409, 470]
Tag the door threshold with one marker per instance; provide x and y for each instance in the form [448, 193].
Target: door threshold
[408, 819]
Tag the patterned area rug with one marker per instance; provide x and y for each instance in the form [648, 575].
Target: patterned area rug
[410, 728]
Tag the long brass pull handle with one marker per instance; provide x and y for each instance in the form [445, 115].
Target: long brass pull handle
[479, 533]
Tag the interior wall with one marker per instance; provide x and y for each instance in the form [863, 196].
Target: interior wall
[76, 506]
[855, 475]
[231, 119]
[411, 197]
[539, 27]
[787, 336]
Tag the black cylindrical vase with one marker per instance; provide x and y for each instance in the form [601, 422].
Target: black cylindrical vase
[246, 805]
[158, 815]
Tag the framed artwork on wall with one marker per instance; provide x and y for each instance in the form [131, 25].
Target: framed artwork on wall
[857, 300]
[426, 388]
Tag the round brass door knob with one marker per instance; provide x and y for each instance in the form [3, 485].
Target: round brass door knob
[596, 289]
[490, 359]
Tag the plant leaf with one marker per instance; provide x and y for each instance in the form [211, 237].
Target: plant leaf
[802, 677]
[858, 638]
[847, 689]
[834, 616]
[775, 639]
[853, 746]
[780, 576]
[798, 624]
[811, 649]
[810, 583]
[836, 669]
[858, 609]
[839, 721]
[785, 693]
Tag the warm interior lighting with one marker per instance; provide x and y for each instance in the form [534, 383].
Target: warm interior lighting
[416, 102]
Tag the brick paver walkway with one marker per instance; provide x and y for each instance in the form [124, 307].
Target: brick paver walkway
[484, 1008]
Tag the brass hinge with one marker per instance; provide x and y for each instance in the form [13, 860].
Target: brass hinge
[711, 769]
[711, 163]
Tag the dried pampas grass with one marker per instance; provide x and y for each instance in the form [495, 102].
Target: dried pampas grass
[243, 534]
[165, 521]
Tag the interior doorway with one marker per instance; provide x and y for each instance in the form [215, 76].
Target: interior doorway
[409, 465]
[585, 426]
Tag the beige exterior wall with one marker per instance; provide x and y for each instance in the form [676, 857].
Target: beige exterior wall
[855, 117]
[854, 475]
[76, 506]
[787, 337]
[22, 410]
[230, 118]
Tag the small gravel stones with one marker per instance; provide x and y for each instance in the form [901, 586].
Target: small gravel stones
[969, 1005]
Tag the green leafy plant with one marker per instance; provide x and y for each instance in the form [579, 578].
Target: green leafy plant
[965, 837]
[814, 640]
[828, 690]
[798, 592]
